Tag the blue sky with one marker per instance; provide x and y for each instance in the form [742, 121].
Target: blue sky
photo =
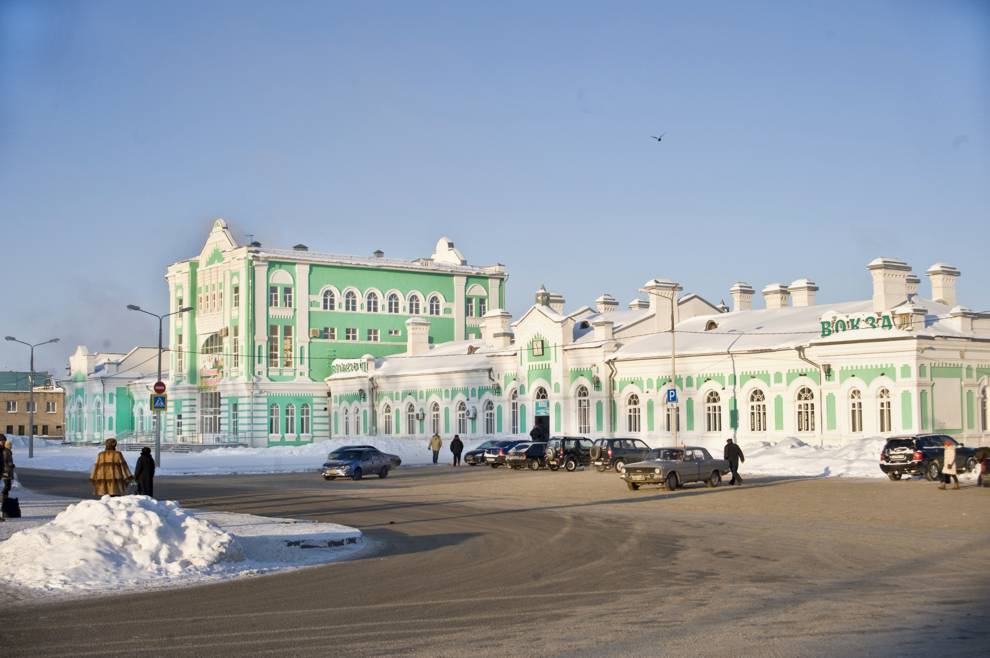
[803, 139]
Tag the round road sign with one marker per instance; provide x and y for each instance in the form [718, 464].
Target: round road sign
[159, 387]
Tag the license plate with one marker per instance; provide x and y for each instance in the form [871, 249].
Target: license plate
[638, 477]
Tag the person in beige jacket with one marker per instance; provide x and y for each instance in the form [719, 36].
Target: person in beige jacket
[949, 466]
[110, 472]
[435, 445]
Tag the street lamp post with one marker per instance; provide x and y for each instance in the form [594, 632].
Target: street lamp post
[158, 415]
[30, 389]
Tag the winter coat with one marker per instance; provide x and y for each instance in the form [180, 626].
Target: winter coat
[733, 454]
[949, 460]
[436, 443]
[536, 434]
[144, 473]
[456, 446]
[7, 470]
[110, 473]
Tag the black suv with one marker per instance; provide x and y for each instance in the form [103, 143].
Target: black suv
[529, 455]
[922, 454]
[569, 452]
[616, 453]
[476, 457]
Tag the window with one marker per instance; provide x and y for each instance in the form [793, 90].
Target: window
[434, 305]
[394, 332]
[469, 307]
[347, 422]
[489, 417]
[984, 407]
[514, 411]
[178, 424]
[330, 333]
[209, 412]
[632, 413]
[50, 407]
[31, 407]
[461, 417]
[371, 303]
[805, 410]
[350, 301]
[413, 305]
[410, 419]
[711, 325]
[235, 296]
[435, 418]
[287, 297]
[713, 412]
[273, 419]
[350, 333]
[11, 406]
[273, 295]
[883, 397]
[305, 420]
[273, 346]
[235, 425]
[757, 411]
[287, 346]
[236, 344]
[373, 335]
[482, 307]
[290, 419]
[179, 354]
[44, 430]
[855, 411]
[329, 300]
[393, 303]
[538, 347]
[673, 418]
[583, 410]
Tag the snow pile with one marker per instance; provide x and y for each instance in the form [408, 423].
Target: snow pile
[855, 458]
[115, 541]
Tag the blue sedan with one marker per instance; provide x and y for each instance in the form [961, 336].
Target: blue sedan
[355, 462]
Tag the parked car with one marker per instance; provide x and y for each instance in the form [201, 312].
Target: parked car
[495, 456]
[616, 453]
[922, 454]
[569, 452]
[357, 461]
[674, 467]
[476, 457]
[527, 455]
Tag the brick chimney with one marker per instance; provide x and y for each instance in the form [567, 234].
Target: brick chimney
[890, 284]
[803, 292]
[606, 303]
[663, 302]
[775, 295]
[495, 328]
[417, 336]
[742, 296]
[943, 279]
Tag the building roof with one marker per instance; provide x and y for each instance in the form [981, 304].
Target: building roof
[17, 380]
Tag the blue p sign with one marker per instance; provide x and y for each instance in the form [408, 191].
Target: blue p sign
[671, 395]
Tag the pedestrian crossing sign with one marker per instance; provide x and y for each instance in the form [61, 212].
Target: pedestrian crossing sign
[159, 403]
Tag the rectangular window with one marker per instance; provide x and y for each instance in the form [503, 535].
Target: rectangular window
[50, 407]
[178, 303]
[537, 348]
[273, 295]
[31, 407]
[482, 307]
[373, 335]
[287, 297]
[20, 430]
[469, 307]
[178, 425]
[331, 333]
[10, 429]
[394, 332]
[350, 334]
[11, 406]
[235, 297]
[234, 423]
[209, 412]
[179, 354]
[44, 430]
[273, 346]
[236, 344]
[287, 347]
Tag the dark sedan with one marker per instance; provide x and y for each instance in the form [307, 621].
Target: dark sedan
[495, 455]
[476, 457]
[355, 462]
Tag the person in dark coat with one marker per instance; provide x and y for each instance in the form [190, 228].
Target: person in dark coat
[6, 472]
[457, 447]
[537, 434]
[734, 455]
[144, 473]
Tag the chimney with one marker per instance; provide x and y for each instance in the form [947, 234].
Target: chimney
[417, 336]
[663, 302]
[542, 297]
[961, 319]
[913, 281]
[803, 292]
[606, 303]
[889, 282]
[909, 317]
[943, 278]
[495, 328]
[639, 305]
[300, 247]
[742, 296]
[775, 295]
[378, 253]
[556, 302]
[604, 329]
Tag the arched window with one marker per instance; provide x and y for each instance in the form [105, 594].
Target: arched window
[461, 417]
[329, 300]
[632, 413]
[387, 418]
[393, 303]
[984, 408]
[514, 411]
[435, 417]
[434, 305]
[305, 422]
[347, 422]
[290, 419]
[855, 411]
[883, 400]
[350, 301]
[805, 410]
[711, 325]
[414, 304]
[541, 393]
[371, 302]
[273, 419]
[410, 419]
[757, 411]
[583, 410]
[713, 412]
[489, 417]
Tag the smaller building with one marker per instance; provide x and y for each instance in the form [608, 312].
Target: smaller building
[16, 401]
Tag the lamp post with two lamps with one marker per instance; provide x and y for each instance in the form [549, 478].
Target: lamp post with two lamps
[30, 389]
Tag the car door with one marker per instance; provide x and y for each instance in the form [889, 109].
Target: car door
[691, 466]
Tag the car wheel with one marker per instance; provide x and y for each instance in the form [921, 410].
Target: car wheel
[632, 486]
[933, 470]
[620, 466]
[329, 477]
[534, 465]
[894, 476]
[553, 467]
[971, 465]
[357, 474]
[383, 473]
[672, 482]
[570, 465]
[715, 479]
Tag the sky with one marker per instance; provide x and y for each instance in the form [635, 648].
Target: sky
[802, 139]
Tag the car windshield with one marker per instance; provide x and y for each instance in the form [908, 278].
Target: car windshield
[893, 444]
[521, 447]
[667, 453]
[346, 454]
[487, 444]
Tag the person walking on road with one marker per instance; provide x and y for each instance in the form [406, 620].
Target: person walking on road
[110, 472]
[457, 447]
[734, 455]
[435, 445]
[144, 473]
[949, 466]
[6, 472]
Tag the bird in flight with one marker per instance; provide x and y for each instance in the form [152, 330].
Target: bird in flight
[660, 138]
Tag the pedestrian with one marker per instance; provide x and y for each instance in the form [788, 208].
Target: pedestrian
[435, 445]
[949, 466]
[144, 473]
[734, 455]
[456, 447]
[110, 472]
[6, 472]
[982, 457]
[537, 434]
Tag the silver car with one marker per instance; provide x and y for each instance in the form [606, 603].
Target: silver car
[673, 467]
[355, 462]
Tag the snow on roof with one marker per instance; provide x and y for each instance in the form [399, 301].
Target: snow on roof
[382, 262]
[454, 356]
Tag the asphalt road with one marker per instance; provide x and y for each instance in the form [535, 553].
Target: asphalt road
[483, 562]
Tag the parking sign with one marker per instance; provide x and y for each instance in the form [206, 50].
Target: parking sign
[671, 395]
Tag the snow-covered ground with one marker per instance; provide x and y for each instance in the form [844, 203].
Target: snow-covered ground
[67, 547]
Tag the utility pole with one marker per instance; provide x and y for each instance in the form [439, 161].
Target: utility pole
[31, 389]
[673, 368]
